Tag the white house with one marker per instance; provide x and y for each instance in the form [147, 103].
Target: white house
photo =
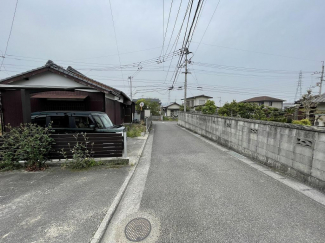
[198, 100]
[172, 109]
[266, 101]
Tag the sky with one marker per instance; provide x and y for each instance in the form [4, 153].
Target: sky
[240, 49]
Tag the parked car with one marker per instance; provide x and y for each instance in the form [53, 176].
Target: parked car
[76, 121]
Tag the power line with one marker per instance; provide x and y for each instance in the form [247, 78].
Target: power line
[207, 26]
[246, 69]
[12, 24]
[164, 35]
[171, 37]
[122, 53]
[197, 20]
[118, 52]
[176, 42]
[263, 53]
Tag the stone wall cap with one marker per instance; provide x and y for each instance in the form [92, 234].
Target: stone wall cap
[271, 123]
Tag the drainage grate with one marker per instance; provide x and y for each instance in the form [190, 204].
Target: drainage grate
[137, 229]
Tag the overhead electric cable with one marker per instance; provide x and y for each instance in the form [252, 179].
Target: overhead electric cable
[207, 26]
[118, 52]
[164, 35]
[171, 37]
[12, 24]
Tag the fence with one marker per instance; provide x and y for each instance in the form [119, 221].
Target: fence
[294, 149]
[104, 144]
[148, 123]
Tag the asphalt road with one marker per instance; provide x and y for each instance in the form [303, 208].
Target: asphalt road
[201, 194]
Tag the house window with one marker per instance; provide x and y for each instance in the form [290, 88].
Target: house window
[270, 103]
[201, 102]
[192, 103]
[187, 103]
[261, 103]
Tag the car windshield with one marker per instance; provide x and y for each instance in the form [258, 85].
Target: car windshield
[106, 121]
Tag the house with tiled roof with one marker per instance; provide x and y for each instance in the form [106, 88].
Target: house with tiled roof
[52, 87]
[197, 100]
[172, 109]
[266, 101]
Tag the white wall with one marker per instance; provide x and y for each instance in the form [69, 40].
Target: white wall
[197, 100]
[275, 104]
[173, 107]
[49, 79]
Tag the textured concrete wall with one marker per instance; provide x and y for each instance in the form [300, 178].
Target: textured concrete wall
[293, 149]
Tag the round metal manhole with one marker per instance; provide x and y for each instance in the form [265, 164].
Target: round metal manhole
[137, 229]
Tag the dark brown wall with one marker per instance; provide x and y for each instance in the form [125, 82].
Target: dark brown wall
[94, 102]
[110, 109]
[12, 107]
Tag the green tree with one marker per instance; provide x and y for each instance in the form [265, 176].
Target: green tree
[181, 108]
[137, 104]
[252, 111]
[307, 101]
[209, 107]
[154, 107]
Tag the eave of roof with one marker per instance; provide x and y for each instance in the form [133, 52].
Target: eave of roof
[193, 97]
[262, 98]
[172, 104]
[71, 72]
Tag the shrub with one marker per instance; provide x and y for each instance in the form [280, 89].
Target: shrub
[82, 153]
[28, 142]
[209, 107]
[304, 122]
[135, 130]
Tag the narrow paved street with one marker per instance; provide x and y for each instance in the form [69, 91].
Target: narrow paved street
[199, 193]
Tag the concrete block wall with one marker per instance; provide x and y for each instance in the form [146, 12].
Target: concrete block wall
[294, 149]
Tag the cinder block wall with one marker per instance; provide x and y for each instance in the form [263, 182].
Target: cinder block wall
[294, 149]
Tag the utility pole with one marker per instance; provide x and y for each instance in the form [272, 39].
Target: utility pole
[168, 97]
[186, 52]
[130, 77]
[321, 79]
[299, 86]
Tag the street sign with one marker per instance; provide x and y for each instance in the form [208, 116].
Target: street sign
[141, 105]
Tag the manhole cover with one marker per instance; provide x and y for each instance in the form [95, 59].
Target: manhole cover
[137, 229]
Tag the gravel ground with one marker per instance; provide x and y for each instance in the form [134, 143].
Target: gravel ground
[58, 205]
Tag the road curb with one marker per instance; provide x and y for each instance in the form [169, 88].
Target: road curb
[110, 212]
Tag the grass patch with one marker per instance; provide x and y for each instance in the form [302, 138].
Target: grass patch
[135, 130]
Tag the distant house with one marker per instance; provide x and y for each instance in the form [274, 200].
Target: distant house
[172, 109]
[266, 101]
[52, 87]
[195, 101]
